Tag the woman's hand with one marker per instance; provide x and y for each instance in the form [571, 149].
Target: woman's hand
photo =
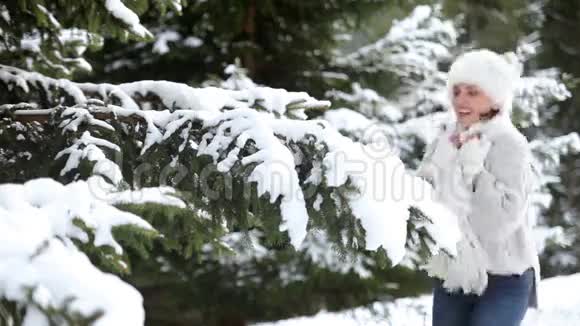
[471, 155]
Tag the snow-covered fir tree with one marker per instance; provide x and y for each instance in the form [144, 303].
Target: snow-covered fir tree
[233, 183]
[223, 164]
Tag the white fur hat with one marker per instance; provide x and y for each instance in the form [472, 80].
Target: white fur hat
[498, 75]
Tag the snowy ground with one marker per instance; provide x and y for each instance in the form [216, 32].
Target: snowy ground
[559, 299]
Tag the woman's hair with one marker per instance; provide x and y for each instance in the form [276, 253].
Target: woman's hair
[488, 115]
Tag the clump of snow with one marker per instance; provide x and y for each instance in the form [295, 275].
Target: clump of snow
[160, 195]
[31, 43]
[127, 16]
[192, 42]
[60, 205]
[162, 39]
[21, 78]
[60, 272]
[88, 147]
[76, 116]
[4, 13]
[36, 225]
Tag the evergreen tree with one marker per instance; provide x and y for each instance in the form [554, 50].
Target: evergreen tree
[559, 48]
[51, 37]
[233, 200]
[100, 133]
[285, 44]
[218, 153]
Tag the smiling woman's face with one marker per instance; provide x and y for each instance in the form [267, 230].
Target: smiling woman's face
[469, 103]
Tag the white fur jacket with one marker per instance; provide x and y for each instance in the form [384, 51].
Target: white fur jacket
[491, 207]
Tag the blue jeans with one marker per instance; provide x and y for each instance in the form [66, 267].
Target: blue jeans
[503, 303]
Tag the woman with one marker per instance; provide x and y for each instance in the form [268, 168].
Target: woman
[480, 167]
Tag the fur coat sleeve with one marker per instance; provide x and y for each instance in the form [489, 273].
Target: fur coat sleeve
[503, 188]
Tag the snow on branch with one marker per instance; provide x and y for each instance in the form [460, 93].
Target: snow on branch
[245, 247]
[536, 94]
[368, 103]
[127, 16]
[378, 177]
[412, 52]
[413, 46]
[38, 219]
[248, 128]
[87, 147]
[157, 95]
[548, 153]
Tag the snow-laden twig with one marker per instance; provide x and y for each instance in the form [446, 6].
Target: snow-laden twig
[127, 16]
